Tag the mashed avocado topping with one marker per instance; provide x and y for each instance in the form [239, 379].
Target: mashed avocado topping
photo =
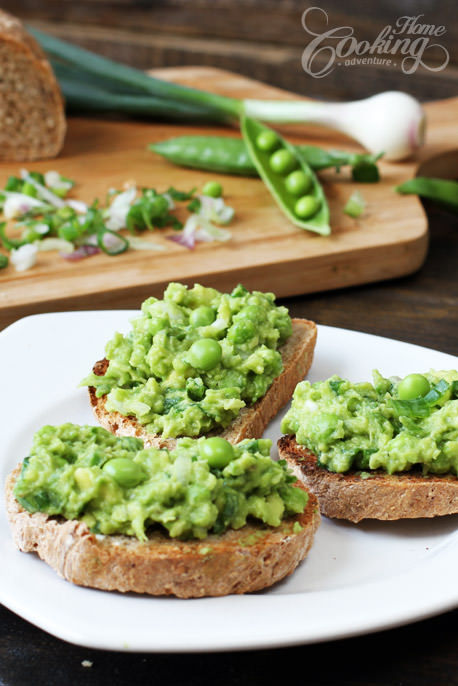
[115, 485]
[192, 360]
[392, 424]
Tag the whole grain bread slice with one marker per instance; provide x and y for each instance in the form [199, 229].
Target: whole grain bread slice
[356, 495]
[297, 354]
[239, 561]
[32, 118]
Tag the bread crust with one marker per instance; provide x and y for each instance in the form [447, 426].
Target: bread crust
[239, 561]
[297, 354]
[381, 496]
[33, 123]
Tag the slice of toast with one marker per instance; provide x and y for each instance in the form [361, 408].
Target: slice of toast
[32, 115]
[239, 561]
[355, 495]
[297, 354]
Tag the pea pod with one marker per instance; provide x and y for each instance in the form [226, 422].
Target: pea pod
[275, 164]
[230, 156]
[442, 191]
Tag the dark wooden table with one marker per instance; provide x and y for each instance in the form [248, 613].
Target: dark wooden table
[421, 309]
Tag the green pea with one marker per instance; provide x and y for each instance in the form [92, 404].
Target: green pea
[217, 451]
[205, 354]
[307, 206]
[413, 386]
[298, 182]
[202, 316]
[3, 261]
[250, 312]
[267, 140]
[125, 472]
[242, 331]
[282, 161]
[213, 189]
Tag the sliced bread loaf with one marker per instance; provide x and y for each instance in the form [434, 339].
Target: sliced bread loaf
[371, 495]
[32, 118]
[239, 561]
[297, 354]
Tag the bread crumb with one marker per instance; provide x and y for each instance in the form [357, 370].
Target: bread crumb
[86, 663]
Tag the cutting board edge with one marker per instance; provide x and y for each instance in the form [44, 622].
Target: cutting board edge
[344, 275]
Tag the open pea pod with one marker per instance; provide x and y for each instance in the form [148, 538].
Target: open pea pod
[292, 183]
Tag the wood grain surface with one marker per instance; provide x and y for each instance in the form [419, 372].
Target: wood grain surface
[267, 44]
[266, 252]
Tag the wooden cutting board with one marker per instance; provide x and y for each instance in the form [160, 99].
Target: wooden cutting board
[266, 251]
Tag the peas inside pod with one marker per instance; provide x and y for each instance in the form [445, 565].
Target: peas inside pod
[289, 178]
[283, 161]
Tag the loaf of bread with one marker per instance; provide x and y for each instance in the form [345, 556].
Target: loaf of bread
[32, 117]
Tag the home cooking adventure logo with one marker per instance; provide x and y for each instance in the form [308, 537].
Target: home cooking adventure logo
[407, 44]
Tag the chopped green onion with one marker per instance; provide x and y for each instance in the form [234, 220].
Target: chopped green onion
[180, 196]
[365, 172]
[137, 243]
[55, 244]
[421, 407]
[355, 205]
[111, 243]
[78, 231]
[9, 243]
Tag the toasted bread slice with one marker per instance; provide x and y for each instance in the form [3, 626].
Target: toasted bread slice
[297, 355]
[355, 496]
[239, 561]
[32, 118]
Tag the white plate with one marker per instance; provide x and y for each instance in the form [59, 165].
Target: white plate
[356, 579]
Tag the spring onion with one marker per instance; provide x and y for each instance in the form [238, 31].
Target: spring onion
[118, 77]
[93, 82]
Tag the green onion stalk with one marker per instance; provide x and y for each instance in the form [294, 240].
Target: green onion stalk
[92, 82]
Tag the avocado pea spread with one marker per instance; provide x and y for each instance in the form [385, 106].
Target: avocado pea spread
[192, 360]
[115, 485]
[392, 424]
